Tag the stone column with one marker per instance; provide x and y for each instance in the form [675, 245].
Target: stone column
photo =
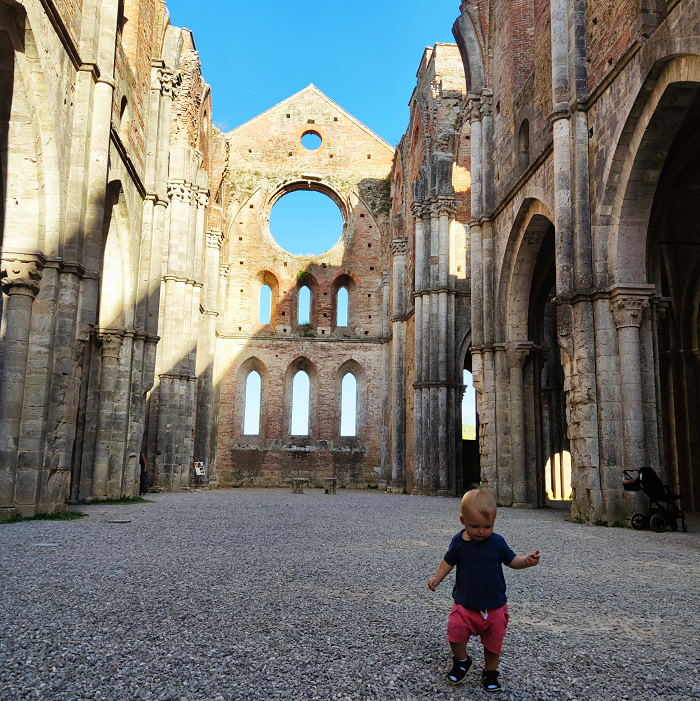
[111, 348]
[627, 307]
[385, 470]
[517, 354]
[418, 448]
[399, 248]
[20, 277]
[206, 351]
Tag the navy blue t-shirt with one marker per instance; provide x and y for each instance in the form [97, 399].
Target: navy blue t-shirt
[479, 583]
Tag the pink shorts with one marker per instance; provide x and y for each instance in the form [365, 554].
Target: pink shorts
[463, 623]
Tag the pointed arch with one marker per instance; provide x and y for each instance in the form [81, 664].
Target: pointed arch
[354, 368]
[301, 364]
[248, 366]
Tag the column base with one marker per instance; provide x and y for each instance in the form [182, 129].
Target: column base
[7, 513]
[521, 505]
[444, 493]
[397, 487]
[417, 492]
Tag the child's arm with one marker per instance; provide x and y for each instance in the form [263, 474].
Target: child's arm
[520, 562]
[442, 571]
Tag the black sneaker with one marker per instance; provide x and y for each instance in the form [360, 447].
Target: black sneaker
[459, 670]
[490, 680]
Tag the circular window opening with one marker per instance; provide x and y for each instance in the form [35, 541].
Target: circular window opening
[306, 223]
[311, 141]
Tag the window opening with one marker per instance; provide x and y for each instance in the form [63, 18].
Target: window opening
[468, 408]
[300, 404]
[311, 141]
[348, 406]
[304, 305]
[265, 308]
[253, 396]
[342, 317]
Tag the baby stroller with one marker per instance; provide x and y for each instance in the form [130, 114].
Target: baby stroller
[663, 510]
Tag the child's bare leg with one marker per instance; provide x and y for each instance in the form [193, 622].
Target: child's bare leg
[459, 650]
[490, 661]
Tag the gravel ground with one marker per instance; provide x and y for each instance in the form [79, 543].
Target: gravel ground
[261, 594]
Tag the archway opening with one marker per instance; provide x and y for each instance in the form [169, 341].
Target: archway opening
[673, 264]
[348, 406]
[306, 222]
[253, 401]
[552, 479]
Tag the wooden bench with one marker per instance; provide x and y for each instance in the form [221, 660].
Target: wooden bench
[331, 485]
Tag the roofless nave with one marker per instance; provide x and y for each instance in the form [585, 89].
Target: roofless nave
[537, 224]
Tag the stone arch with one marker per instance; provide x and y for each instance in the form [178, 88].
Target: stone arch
[635, 167]
[528, 230]
[250, 364]
[353, 367]
[117, 281]
[301, 363]
[467, 36]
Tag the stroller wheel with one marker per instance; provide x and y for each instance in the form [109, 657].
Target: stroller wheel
[684, 525]
[658, 523]
[638, 522]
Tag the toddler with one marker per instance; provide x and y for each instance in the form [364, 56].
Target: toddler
[480, 590]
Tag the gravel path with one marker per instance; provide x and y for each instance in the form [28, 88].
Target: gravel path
[261, 594]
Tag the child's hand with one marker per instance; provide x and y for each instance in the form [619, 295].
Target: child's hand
[533, 559]
[433, 582]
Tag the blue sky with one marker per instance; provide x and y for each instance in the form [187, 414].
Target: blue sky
[364, 55]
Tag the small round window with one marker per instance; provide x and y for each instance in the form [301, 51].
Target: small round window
[311, 141]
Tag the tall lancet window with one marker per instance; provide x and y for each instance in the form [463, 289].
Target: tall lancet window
[253, 397]
[300, 404]
[348, 406]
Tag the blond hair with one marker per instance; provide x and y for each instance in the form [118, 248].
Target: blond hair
[480, 500]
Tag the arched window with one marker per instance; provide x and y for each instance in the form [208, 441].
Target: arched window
[253, 396]
[342, 307]
[304, 305]
[265, 305]
[468, 408]
[300, 404]
[348, 406]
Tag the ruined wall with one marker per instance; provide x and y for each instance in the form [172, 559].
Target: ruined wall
[265, 161]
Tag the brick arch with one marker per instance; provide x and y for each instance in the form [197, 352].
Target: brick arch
[515, 282]
[250, 364]
[635, 168]
[310, 281]
[301, 362]
[467, 35]
[353, 367]
[350, 281]
[263, 276]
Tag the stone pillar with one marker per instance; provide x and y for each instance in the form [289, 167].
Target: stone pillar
[384, 468]
[206, 351]
[399, 248]
[102, 487]
[418, 447]
[517, 354]
[20, 277]
[627, 307]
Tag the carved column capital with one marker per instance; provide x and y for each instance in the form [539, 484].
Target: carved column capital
[517, 352]
[215, 238]
[202, 199]
[628, 311]
[446, 205]
[487, 102]
[179, 191]
[111, 343]
[399, 246]
[474, 109]
[21, 273]
[168, 82]
[418, 209]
